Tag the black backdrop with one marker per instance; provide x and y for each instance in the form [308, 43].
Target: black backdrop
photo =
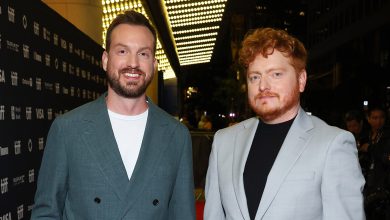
[47, 67]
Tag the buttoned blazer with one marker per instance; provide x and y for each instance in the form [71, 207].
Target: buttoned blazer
[316, 175]
[82, 175]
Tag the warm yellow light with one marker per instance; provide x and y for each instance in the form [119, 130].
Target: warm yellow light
[209, 18]
[111, 8]
[195, 9]
[196, 41]
[195, 50]
[198, 55]
[195, 62]
[195, 30]
[196, 36]
[196, 46]
[169, 74]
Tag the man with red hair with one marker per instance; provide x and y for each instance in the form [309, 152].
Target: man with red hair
[283, 163]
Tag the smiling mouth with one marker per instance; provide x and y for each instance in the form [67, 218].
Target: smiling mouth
[132, 75]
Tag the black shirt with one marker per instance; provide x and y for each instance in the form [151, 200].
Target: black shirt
[265, 147]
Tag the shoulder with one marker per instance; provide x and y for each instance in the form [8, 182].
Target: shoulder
[82, 112]
[231, 131]
[159, 115]
[323, 126]
[324, 131]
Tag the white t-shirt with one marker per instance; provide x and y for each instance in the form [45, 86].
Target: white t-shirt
[128, 132]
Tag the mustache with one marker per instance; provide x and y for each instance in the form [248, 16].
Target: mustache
[135, 70]
[266, 94]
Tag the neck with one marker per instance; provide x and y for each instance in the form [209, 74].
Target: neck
[126, 106]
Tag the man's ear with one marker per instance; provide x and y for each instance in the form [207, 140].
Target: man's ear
[104, 60]
[302, 80]
[155, 64]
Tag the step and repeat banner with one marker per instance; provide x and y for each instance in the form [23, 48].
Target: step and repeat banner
[47, 67]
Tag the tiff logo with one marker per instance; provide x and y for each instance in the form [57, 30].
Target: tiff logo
[6, 216]
[57, 87]
[31, 176]
[36, 28]
[55, 39]
[2, 112]
[28, 113]
[14, 78]
[40, 143]
[72, 91]
[4, 185]
[26, 51]
[49, 114]
[84, 91]
[65, 90]
[70, 47]
[46, 34]
[18, 147]
[63, 44]
[3, 151]
[20, 210]
[64, 65]
[2, 76]
[71, 69]
[47, 59]
[15, 112]
[37, 57]
[11, 14]
[38, 83]
[77, 71]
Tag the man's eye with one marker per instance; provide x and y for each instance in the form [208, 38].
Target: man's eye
[277, 74]
[144, 54]
[254, 78]
[122, 51]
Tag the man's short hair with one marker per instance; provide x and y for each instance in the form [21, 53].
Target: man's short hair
[132, 18]
[265, 40]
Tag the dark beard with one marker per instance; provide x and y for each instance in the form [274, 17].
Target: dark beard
[127, 91]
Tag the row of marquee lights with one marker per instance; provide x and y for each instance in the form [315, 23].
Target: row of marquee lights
[194, 25]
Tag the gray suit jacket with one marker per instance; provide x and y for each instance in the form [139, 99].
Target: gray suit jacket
[316, 175]
[82, 175]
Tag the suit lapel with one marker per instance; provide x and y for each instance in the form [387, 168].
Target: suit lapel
[100, 140]
[242, 146]
[156, 131]
[292, 148]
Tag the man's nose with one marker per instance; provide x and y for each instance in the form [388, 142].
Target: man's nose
[132, 61]
[264, 83]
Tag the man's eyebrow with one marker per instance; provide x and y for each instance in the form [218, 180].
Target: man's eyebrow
[126, 46]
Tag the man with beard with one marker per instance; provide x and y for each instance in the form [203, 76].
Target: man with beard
[282, 164]
[120, 156]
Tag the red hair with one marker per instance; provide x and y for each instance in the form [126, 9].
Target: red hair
[265, 40]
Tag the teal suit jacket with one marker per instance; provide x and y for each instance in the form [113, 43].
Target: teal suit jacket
[82, 175]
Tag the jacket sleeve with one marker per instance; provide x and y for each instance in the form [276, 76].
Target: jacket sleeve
[52, 179]
[342, 182]
[213, 209]
[182, 203]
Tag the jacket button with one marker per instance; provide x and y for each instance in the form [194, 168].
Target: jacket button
[155, 202]
[97, 200]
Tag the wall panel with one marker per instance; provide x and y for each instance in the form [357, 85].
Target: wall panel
[47, 67]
